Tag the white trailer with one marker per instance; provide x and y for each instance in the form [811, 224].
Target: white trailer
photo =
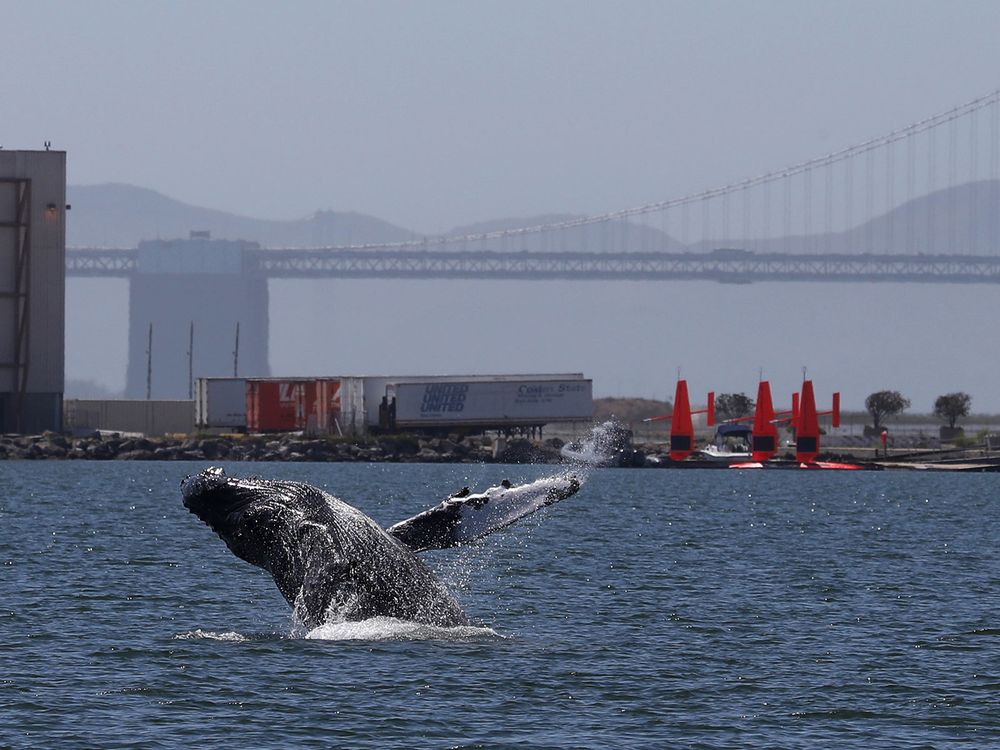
[487, 404]
[374, 388]
[220, 404]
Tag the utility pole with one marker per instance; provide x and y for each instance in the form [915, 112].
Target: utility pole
[191, 362]
[149, 364]
[236, 352]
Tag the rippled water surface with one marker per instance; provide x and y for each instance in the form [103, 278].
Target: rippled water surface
[712, 609]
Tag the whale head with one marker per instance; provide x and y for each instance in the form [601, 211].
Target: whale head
[241, 511]
[215, 498]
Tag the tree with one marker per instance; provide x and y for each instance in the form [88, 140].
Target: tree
[884, 404]
[951, 406]
[733, 406]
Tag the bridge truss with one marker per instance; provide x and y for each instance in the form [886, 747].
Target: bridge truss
[726, 266]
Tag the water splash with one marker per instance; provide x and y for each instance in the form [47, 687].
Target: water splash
[208, 635]
[391, 629]
[607, 444]
[374, 629]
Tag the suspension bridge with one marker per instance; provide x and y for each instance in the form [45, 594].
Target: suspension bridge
[918, 204]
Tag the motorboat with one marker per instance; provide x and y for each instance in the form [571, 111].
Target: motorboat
[731, 443]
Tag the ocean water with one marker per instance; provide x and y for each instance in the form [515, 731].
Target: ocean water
[655, 609]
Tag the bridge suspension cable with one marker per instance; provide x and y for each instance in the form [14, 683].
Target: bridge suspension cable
[827, 161]
[840, 203]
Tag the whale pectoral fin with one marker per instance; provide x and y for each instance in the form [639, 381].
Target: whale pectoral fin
[466, 517]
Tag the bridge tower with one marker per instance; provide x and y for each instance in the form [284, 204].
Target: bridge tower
[202, 281]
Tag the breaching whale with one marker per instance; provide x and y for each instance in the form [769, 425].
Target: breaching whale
[332, 563]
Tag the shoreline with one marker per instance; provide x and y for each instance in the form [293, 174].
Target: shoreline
[414, 449]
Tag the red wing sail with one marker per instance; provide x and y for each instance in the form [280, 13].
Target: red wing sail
[807, 426]
[764, 439]
[681, 426]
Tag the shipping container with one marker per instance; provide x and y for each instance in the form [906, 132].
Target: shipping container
[313, 405]
[489, 404]
[276, 405]
[220, 404]
[316, 405]
[146, 417]
[324, 405]
[352, 407]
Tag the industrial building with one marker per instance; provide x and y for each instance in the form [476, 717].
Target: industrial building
[32, 289]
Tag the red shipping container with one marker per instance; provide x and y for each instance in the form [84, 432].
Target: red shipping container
[276, 405]
[322, 398]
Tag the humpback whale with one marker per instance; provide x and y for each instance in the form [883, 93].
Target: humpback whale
[332, 562]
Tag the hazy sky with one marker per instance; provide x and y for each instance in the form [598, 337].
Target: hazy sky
[437, 114]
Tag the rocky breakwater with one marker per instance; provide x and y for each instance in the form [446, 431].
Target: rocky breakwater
[289, 447]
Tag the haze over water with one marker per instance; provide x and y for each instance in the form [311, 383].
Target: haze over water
[653, 609]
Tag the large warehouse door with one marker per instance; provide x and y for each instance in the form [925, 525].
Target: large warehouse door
[15, 277]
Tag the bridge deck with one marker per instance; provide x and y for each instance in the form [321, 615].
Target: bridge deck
[731, 266]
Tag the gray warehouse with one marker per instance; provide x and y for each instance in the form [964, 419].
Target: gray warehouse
[32, 289]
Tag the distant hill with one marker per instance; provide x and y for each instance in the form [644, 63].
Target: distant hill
[629, 410]
[499, 225]
[117, 215]
[962, 219]
[612, 235]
